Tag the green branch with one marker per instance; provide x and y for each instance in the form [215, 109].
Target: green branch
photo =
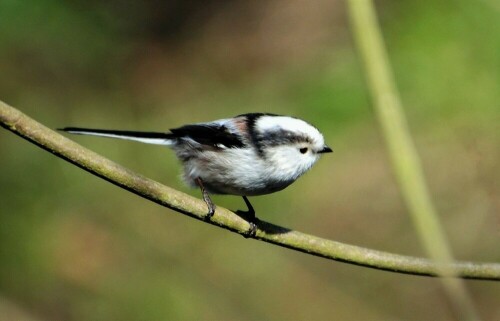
[402, 150]
[36, 133]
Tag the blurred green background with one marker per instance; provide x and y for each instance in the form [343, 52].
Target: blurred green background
[74, 247]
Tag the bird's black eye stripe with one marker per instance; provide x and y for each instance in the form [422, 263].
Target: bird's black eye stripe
[251, 120]
[303, 150]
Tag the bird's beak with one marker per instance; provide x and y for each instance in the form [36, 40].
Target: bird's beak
[325, 149]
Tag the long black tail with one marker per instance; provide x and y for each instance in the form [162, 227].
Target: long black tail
[143, 137]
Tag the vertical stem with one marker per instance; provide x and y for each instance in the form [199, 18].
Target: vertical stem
[402, 150]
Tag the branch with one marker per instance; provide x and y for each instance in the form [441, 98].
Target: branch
[36, 133]
[401, 147]
[402, 150]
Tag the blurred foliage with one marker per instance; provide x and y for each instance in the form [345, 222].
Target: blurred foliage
[73, 247]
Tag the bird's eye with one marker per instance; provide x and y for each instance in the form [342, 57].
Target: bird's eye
[303, 150]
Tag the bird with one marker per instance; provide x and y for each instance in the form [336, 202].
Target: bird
[247, 155]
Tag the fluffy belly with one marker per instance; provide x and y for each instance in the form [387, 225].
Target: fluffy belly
[234, 175]
[230, 188]
[242, 185]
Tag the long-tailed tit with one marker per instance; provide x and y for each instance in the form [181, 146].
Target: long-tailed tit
[248, 155]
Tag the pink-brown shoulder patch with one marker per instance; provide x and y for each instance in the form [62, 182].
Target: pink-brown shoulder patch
[242, 126]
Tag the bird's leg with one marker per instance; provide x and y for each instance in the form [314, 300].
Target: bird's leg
[251, 212]
[206, 198]
[250, 217]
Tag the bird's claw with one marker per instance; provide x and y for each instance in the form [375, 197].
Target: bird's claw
[252, 221]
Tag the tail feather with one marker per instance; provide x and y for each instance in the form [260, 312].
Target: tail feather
[143, 137]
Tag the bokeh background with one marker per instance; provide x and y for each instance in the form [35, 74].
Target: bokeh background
[74, 247]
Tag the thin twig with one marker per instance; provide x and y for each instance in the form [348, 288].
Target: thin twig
[22, 125]
[402, 150]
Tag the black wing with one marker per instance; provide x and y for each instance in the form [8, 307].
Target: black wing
[209, 134]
